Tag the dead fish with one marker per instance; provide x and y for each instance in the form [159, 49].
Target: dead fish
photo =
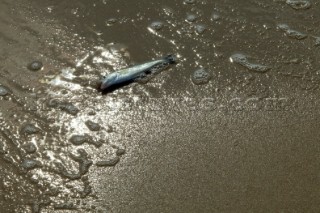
[131, 74]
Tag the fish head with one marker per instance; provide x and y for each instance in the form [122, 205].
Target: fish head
[109, 81]
[171, 59]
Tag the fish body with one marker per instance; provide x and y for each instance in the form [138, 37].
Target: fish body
[131, 74]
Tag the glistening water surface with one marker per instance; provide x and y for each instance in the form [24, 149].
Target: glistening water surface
[233, 127]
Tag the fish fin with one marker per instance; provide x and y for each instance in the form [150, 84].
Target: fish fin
[144, 78]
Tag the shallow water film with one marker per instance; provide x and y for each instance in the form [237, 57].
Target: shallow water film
[232, 127]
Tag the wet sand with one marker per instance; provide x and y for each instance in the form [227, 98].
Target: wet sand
[232, 127]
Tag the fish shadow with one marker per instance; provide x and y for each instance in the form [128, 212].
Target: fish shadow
[114, 87]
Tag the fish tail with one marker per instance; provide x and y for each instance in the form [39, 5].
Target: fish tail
[171, 59]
